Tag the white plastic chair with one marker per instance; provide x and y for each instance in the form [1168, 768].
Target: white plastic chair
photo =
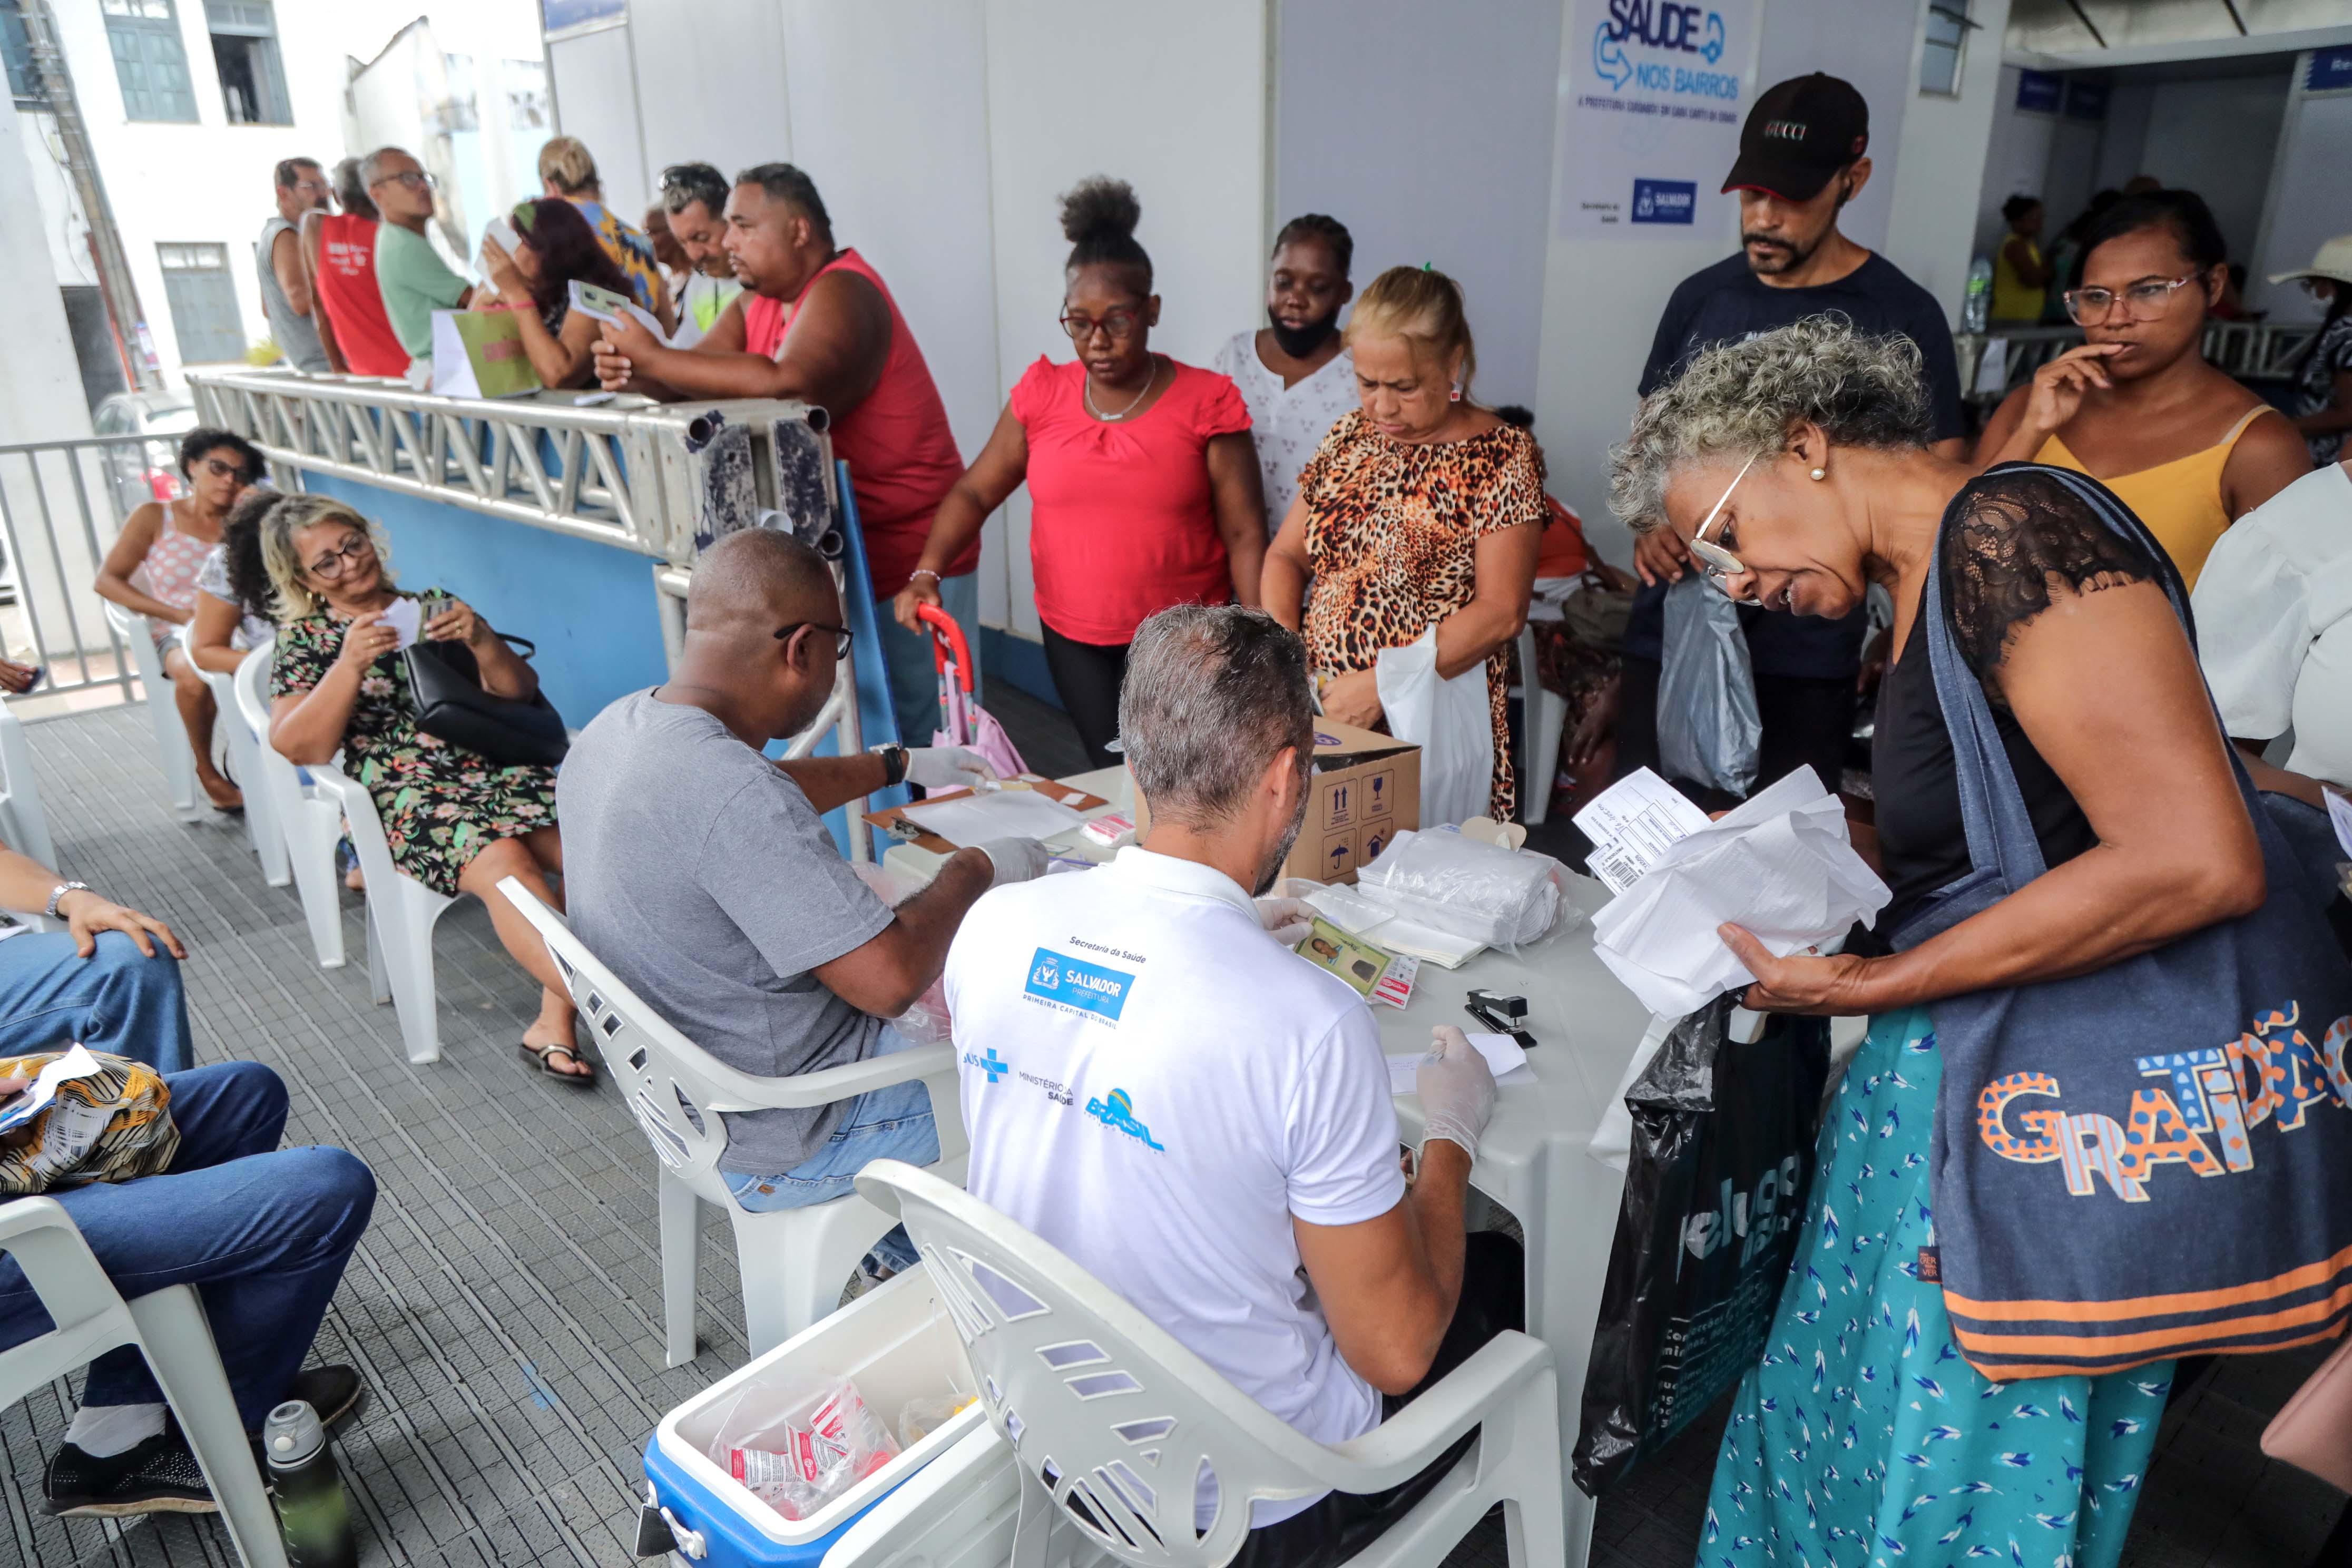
[1543, 714]
[309, 822]
[792, 1261]
[89, 1317]
[401, 911]
[1105, 1409]
[261, 824]
[23, 826]
[170, 736]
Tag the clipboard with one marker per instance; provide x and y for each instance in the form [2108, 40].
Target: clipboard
[894, 823]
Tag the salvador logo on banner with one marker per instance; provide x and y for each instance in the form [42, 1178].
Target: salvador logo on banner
[1656, 96]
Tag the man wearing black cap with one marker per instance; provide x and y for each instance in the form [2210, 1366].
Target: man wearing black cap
[1803, 156]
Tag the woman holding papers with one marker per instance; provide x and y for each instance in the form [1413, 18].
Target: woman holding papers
[554, 249]
[1795, 467]
[453, 820]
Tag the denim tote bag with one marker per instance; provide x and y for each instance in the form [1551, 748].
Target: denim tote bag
[2154, 1160]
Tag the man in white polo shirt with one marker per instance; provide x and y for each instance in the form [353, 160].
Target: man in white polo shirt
[1196, 1115]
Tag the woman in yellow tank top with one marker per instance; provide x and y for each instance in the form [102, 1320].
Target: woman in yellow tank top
[2020, 277]
[2137, 407]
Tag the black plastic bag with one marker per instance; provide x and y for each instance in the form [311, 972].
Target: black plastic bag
[1715, 1195]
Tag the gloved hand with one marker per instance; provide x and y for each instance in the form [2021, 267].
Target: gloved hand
[1456, 1090]
[1288, 921]
[947, 767]
[1020, 859]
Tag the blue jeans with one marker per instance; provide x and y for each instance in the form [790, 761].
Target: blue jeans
[914, 683]
[893, 1123]
[117, 1001]
[262, 1231]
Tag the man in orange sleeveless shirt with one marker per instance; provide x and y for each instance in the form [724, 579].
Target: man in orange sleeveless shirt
[817, 324]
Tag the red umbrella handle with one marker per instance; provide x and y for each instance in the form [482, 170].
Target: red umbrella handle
[948, 645]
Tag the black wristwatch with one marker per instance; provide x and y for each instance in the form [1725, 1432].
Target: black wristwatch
[894, 764]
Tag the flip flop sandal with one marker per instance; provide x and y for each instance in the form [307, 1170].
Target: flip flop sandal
[541, 1054]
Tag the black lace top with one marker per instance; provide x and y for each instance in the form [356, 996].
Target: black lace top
[2007, 535]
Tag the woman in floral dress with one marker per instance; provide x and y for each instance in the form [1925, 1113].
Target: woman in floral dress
[453, 820]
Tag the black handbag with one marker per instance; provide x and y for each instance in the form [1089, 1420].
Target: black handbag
[445, 680]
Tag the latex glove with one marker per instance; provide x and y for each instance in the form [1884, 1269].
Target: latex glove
[947, 767]
[1288, 921]
[1456, 1090]
[1018, 860]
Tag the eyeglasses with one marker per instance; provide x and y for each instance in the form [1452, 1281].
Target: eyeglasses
[415, 179]
[2091, 307]
[1120, 324]
[841, 636]
[1718, 561]
[221, 470]
[336, 562]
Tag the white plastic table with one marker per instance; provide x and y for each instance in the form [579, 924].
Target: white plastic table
[1532, 1158]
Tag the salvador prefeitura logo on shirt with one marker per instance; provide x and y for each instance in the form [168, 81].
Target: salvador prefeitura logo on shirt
[1073, 984]
[2200, 1110]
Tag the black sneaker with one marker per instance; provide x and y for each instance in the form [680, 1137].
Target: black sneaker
[158, 1476]
[333, 1391]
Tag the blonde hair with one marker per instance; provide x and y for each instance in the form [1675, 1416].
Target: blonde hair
[290, 597]
[564, 163]
[1423, 306]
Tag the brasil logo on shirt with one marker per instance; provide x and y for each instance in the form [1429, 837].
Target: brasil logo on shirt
[1075, 984]
[1118, 1113]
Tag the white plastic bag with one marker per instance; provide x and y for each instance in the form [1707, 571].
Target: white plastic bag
[1450, 721]
[1708, 731]
[927, 1022]
[1504, 897]
[798, 1448]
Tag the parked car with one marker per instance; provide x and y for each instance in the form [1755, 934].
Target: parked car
[149, 470]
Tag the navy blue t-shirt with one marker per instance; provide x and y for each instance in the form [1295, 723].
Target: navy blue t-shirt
[1727, 302]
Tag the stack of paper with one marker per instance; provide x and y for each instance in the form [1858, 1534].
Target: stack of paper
[1779, 866]
[1505, 1059]
[965, 820]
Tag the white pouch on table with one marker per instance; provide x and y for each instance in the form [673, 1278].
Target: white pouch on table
[1450, 720]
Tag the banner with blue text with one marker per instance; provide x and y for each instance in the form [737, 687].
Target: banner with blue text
[1656, 93]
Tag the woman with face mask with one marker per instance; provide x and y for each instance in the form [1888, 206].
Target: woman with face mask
[1295, 373]
[1795, 467]
[1421, 511]
[2135, 406]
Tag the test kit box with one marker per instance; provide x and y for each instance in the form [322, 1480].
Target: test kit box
[1366, 786]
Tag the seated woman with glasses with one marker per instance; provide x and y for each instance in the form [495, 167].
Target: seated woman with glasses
[153, 569]
[558, 250]
[1143, 485]
[456, 821]
[2135, 406]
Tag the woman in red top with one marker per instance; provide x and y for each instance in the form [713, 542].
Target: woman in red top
[1143, 485]
[339, 251]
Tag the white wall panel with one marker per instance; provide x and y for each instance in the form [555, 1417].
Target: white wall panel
[1180, 111]
[2314, 202]
[1453, 167]
[596, 101]
[711, 83]
[2217, 137]
[1930, 228]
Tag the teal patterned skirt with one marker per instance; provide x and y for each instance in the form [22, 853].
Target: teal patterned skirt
[1862, 1437]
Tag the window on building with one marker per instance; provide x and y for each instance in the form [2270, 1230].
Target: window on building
[244, 48]
[1947, 38]
[149, 62]
[203, 301]
[16, 52]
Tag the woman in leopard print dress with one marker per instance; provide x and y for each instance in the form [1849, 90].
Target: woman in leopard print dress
[1420, 509]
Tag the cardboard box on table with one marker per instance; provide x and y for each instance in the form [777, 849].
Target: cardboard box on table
[1366, 786]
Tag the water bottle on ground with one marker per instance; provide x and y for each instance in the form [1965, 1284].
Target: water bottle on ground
[312, 1510]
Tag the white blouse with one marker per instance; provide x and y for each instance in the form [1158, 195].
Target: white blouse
[2273, 609]
[1288, 423]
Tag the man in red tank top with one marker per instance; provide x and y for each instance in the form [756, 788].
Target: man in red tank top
[338, 254]
[817, 324]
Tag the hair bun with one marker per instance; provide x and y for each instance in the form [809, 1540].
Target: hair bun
[1099, 209]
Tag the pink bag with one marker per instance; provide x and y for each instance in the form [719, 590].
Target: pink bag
[962, 721]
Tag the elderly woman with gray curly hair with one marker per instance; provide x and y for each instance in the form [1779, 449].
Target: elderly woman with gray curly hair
[1796, 465]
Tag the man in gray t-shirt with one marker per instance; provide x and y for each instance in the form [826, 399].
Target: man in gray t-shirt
[286, 292]
[703, 875]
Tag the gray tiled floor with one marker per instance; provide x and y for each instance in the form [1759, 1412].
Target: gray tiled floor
[502, 1305]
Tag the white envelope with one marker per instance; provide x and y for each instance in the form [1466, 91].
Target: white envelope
[1779, 866]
